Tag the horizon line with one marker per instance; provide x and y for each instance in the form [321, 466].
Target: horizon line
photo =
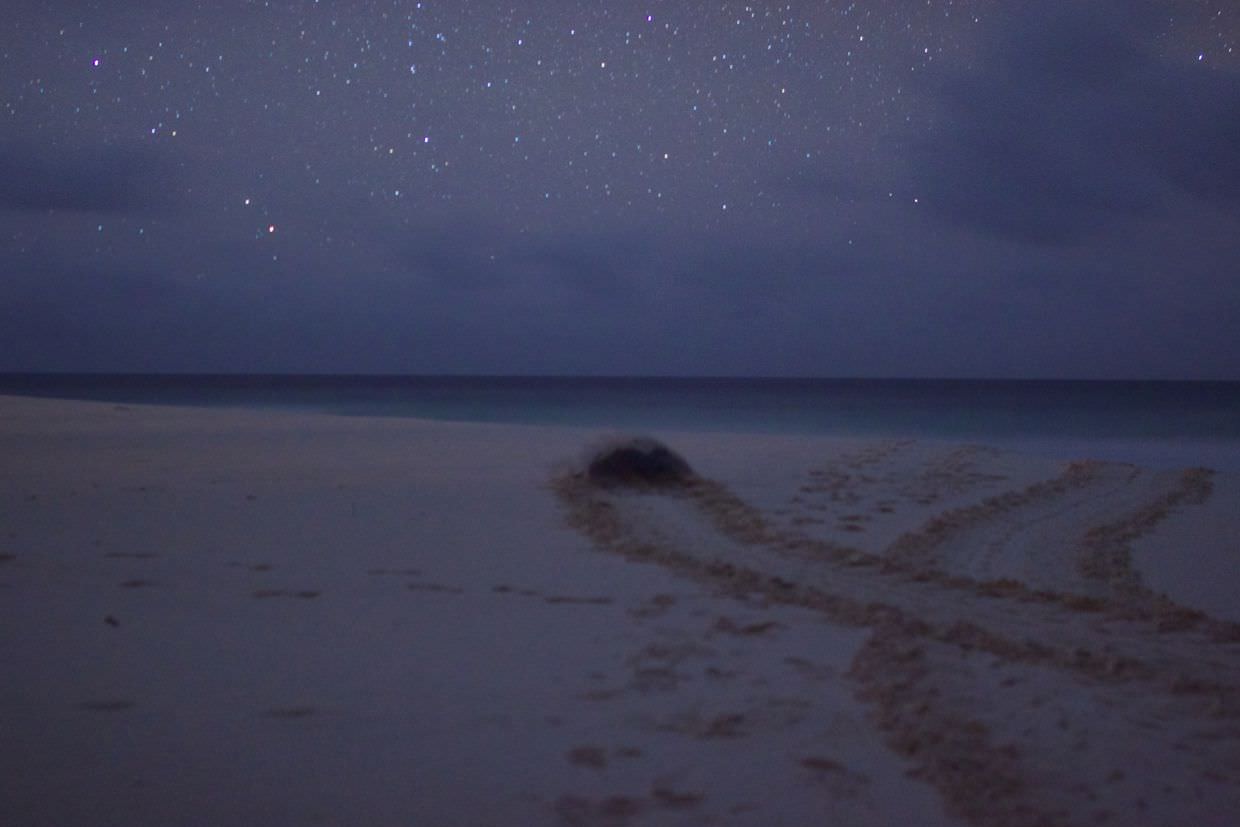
[6, 375]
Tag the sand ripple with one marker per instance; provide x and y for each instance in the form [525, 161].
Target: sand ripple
[1017, 658]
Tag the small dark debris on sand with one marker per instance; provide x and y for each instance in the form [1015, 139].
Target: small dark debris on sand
[637, 462]
[820, 764]
[728, 626]
[675, 799]
[724, 726]
[560, 599]
[593, 757]
[614, 810]
[263, 594]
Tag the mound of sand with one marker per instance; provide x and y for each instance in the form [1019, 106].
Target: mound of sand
[637, 461]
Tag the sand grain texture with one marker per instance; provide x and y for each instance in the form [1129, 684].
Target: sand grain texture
[1016, 654]
[240, 617]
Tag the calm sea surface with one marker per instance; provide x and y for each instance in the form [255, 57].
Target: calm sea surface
[1153, 422]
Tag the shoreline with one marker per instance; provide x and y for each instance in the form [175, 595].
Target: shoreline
[1217, 453]
[336, 618]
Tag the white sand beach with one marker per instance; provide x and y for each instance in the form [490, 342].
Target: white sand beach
[243, 617]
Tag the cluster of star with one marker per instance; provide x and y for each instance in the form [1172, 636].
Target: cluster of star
[706, 115]
[588, 107]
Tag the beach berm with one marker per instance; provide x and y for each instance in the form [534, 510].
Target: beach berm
[637, 461]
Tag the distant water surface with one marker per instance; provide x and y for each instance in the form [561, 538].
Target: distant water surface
[1153, 422]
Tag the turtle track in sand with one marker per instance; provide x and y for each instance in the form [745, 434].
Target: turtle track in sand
[1021, 705]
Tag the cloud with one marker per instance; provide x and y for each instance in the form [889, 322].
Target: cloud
[55, 316]
[469, 253]
[1196, 135]
[1064, 126]
[113, 179]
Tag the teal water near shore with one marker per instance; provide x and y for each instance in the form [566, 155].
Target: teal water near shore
[1161, 422]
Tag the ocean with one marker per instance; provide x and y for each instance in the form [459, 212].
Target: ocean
[1153, 423]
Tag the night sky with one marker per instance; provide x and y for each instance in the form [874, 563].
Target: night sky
[970, 189]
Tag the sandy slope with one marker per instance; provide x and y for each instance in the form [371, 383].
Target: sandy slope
[239, 618]
[233, 617]
[1018, 654]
